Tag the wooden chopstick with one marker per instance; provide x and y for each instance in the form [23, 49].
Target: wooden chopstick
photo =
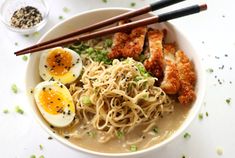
[155, 19]
[152, 7]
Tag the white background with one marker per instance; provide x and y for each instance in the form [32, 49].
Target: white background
[212, 34]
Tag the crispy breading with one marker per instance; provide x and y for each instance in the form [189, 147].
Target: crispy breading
[128, 45]
[187, 78]
[171, 82]
[154, 64]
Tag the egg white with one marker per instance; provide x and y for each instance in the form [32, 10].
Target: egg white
[70, 76]
[59, 119]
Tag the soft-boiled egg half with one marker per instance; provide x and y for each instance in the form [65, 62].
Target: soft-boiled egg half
[55, 103]
[60, 64]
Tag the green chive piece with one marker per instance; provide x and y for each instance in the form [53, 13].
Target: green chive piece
[219, 151]
[36, 34]
[228, 100]
[19, 110]
[133, 4]
[133, 148]
[105, 1]
[91, 134]
[16, 43]
[155, 130]
[61, 17]
[183, 156]
[41, 156]
[200, 116]
[187, 135]
[119, 134]
[41, 147]
[25, 58]
[26, 35]
[207, 114]
[14, 88]
[32, 156]
[66, 10]
[108, 43]
[5, 111]
[86, 100]
[210, 70]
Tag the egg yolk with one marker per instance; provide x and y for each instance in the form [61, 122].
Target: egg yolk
[59, 62]
[52, 101]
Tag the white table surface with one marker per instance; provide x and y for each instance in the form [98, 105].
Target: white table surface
[212, 34]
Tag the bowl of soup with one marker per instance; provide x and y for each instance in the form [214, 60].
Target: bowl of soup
[122, 95]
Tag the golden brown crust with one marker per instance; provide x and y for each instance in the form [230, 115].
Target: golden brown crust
[187, 78]
[128, 45]
[171, 82]
[155, 62]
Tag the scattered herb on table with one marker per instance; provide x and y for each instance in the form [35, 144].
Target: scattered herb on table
[26, 35]
[207, 114]
[133, 4]
[26, 17]
[5, 111]
[66, 10]
[133, 148]
[50, 138]
[41, 147]
[219, 151]
[41, 156]
[61, 17]
[32, 156]
[25, 57]
[19, 110]
[228, 101]
[200, 116]
[187, 135]
[105, 1]
[14, 88]
[16, 43]
[36, 34]
[210, 70]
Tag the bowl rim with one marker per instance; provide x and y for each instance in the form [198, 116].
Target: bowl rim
[179, 131]
[32, 29]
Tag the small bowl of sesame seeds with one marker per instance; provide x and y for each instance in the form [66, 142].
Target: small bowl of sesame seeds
[24, 16]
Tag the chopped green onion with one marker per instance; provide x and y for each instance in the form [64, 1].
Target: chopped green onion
[133, 4]
[66, 10]
[16, 43]
[25, 58]
[5, 111]
[138, 78]
[207, 114]
[210, 70]
[41, 147]
[200, 116]
[119, 134]
[155, 130]
[14, 88]
[183, 156]
[108, 43]
[86, 100]
[19, 110]
[32, 156]
[41, 156]
[105, 1]
[219, 151]
[228, 100]
[91, 134]
[187, 135]
[26, 35]
[61, 17]
[142, 70]
[133, 148]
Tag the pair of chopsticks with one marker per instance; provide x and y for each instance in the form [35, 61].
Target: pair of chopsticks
[77, 35]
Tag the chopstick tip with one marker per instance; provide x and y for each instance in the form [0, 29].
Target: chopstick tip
[203, 7]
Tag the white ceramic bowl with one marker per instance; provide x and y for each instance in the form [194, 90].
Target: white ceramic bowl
[90, 17]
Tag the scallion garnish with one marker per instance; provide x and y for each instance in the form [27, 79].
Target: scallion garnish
[19, 110]
[187, 135]
[14, 88]
[119, 134]
[86, 100]
[200, 116]
[133, 148]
